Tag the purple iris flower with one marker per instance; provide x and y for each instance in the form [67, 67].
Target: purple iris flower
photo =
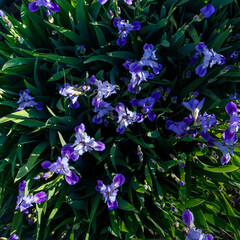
[83, 143]
[207, 11]
[126, 117]
[149, 58]
[103, 109]
[194, 106]
[24, 202]
[14, 237]
[210, 58]
[26, 100]
[137, 79]
[188, 218]
[73, 92]
[105, 89]
[124, 29]
[180, 128]
[34, 6]
[109, 192]
[147, 104]
[61, 166]
[137, 68]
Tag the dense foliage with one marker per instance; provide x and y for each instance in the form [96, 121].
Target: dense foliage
[119, 120]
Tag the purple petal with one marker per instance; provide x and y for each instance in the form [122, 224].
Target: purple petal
[80, 127]
[225, 159]
[207, 11]
[231, 108]
[121, 41]
[73, 179]
[99, 146]
[118, 180]
[99, 185]
[201, 70]
[33, 7]
[92, 80]
[136, 103]
[39, 106]
[67, 150]
[74, 105]
[40, 197]
[135, 67]
[2, 14]
[151, 116]
[228, 135]
[21, 186]
[112, 205]
[13, 237]
[102, 1]
[46, 164]
[188, 218]
[74, 157]
[53, 7]
[136, 25]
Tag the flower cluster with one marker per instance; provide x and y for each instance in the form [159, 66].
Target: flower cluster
[193, 233]
[210, 58]
[203, 124]
[24, 202]
[140, 70]
[124, 28]
[109, 192]
[34, 6]
[26, 100]
[104, 90]
[83, 143]
[73, 92]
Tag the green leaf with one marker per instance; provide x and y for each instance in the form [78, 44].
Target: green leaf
[219, 169]
[82, 20]
[59, 75]
[77, 39]
[17, 62]
[112, 155]
[17, 221]
[191, 203]
[114, 223]
[221, 39]
[31, 160]
[234, 222]
[124, 205]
